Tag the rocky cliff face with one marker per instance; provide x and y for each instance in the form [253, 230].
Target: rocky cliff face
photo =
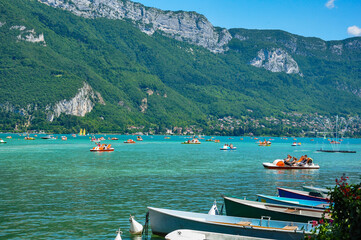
[276, 60]
[184, 26]
[80, 105]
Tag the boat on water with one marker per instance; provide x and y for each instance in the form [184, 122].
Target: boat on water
[129, 141]
[139, 138]
[336, 151]
[82, 132]
[2, 141]
[9, 137]
[114, 138]
[186, 234]
[217, 141]
[334, 142]
[292, 202]
[280, 164]
[192, 141]
[264, 143]
[164, 221]
[227, 147]
[29, 138]
[102, 148]
[291, 193]
[166, 137]
[253, 209]
[64, 138]
[48, 137]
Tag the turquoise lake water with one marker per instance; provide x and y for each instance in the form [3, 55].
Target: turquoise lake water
[54, 189]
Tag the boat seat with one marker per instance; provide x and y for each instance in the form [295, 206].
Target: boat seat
[292, 228]
[244, 223]
[291, 210]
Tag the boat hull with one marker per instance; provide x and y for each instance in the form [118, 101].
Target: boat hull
[186, 234]
[274, 166]
[290, 193]
[244, 208]
[164, 221]
[292, 202]
[105, 150]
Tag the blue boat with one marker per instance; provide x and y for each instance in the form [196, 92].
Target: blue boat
[164, 221]
[313, 196]
[292, 202]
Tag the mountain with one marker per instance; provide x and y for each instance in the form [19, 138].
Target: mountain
[118, 66]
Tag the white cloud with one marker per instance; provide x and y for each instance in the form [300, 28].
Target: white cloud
[354, 30]
[330, 4]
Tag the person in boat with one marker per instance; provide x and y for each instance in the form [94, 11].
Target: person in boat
[287, 160]
[231, 145]
[302, 161]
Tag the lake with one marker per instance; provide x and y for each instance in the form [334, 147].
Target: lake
[54, 189]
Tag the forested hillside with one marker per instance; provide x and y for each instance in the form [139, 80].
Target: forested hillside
[154, 81]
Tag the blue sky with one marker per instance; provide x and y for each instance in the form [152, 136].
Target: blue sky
[326, 19]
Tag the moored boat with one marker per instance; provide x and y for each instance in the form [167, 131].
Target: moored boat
[164, 221]
[186, 234]
[280, 164]
[252, 209]
[291, 193]
[292, 202]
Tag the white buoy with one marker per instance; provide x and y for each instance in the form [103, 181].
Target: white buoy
[214, 209]
[135, 227]
[118, 237]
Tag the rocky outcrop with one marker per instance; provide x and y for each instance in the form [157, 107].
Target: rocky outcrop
[29, 35]
[184, 26]
[80, 105]
[276, 60]
[144, 105]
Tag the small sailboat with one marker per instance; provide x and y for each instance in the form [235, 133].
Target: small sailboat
[135, 227]
[119, 233]
[82, 132]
